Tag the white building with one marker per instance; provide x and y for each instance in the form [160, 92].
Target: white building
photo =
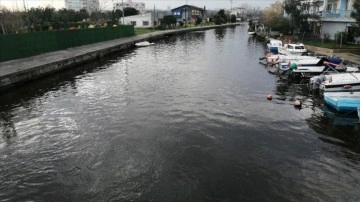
[144, 20]
[334, 15]
[239, 12]
[140, 6]
[89, 5]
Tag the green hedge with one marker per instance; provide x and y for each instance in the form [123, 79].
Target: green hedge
[34, 43]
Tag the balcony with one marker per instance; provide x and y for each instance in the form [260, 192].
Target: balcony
[337, 14]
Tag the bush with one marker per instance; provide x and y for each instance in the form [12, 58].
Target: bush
[233, 18]
[341, 37]
[326, 37]
[198, 21]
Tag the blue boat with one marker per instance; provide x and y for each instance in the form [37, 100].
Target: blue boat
[274, 45]
[344, 102]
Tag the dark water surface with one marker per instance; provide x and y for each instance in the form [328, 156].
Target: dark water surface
[184, 120]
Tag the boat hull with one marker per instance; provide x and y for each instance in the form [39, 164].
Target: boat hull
[343, 101]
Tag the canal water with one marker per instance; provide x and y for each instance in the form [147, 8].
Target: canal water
[186, 119]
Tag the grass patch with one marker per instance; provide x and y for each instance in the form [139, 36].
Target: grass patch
[140, 31]
[331, 45]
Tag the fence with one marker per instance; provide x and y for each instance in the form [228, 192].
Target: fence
[34, 43]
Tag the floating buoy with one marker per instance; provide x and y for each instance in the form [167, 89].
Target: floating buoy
[297, 103]
[269, 97]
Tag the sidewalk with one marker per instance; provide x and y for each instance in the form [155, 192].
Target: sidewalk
[353, 58]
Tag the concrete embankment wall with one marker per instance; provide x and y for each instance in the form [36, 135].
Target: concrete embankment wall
[19, 71]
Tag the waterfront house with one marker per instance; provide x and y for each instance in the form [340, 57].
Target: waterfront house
[188, 13]
[334, 16]
[144, 20]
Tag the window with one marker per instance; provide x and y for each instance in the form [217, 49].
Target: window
[133, 23]
[195, 12]
[299, 47]
[176, 12]
[331, 8]
[145, 23]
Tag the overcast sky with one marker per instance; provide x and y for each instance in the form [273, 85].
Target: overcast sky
[159, 4]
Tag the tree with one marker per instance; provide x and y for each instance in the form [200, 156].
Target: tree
[128, 11]
[298, 18]
[233, 18]
[220, 17]
[356, 14]
[198, 21]
[273, 18]
[274, 11]
[10, 22]
[82, 15]
[168, 21]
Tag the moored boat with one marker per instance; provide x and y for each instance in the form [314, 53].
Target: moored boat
[274, 45]
[343, 101]
[143, 43]
[337, 82]
[293, 49]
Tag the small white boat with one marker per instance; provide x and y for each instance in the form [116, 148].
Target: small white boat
[341, 82]
[144, 43]
[251, 33]
[293, 49]
[343, 101]
[300, 61]
[285, 59]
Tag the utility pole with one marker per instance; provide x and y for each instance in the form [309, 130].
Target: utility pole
[122, 3]
[153, 24]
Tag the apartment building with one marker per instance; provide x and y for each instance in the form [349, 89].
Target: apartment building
[140, 6]
[89, 5]
[335, 16]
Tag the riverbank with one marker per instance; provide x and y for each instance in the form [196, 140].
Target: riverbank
[350, 57]
[19, 71]
[346, 56]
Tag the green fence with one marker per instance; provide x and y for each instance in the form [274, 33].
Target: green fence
[29, 44]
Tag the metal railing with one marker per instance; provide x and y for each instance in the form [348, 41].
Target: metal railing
[337, 14]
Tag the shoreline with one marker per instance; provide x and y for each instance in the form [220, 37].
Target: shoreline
[346, 56]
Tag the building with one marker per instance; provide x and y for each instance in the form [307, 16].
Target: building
[188, 13]
[89, 5]
[239, 12]
[143, 20]
[334, 16]
[140, 6]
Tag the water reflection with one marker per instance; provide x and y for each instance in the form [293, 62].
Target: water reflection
[220, 33]
[184, 120]
[27, 99]
[7, 127]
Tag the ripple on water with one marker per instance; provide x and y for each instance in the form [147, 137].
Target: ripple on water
[184, 120]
